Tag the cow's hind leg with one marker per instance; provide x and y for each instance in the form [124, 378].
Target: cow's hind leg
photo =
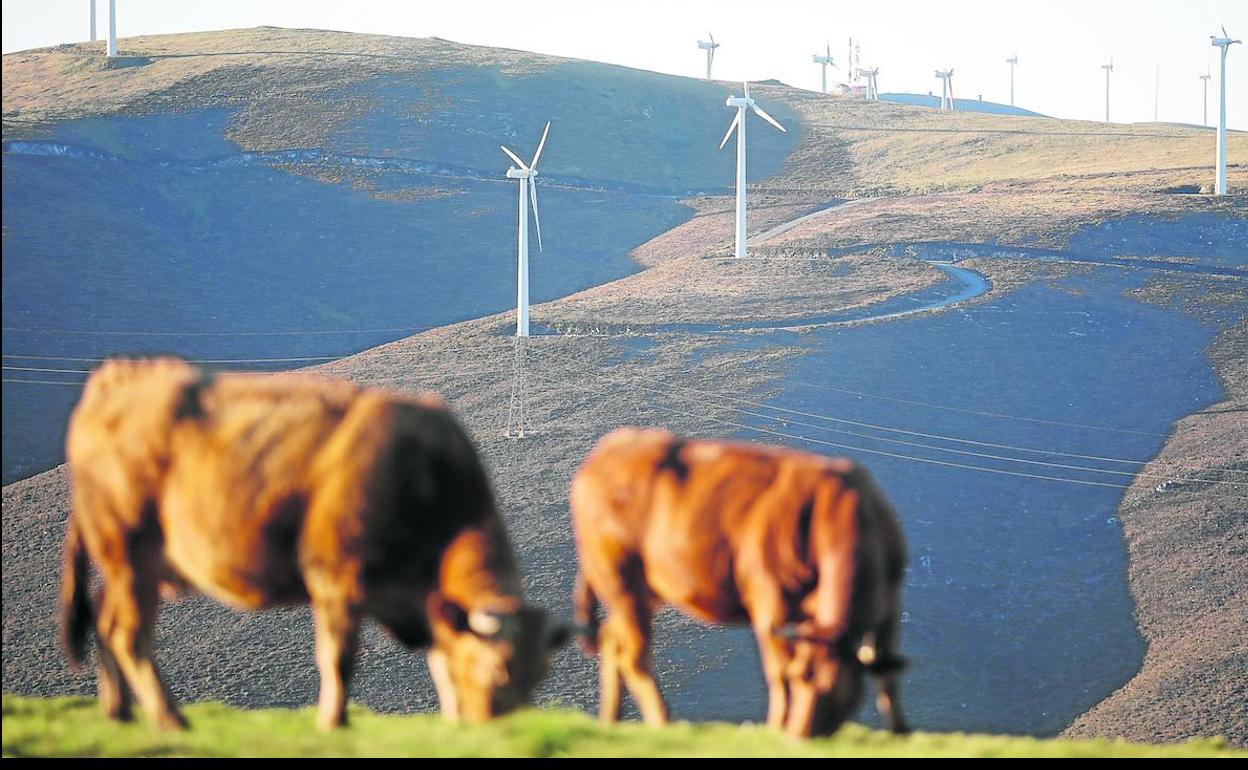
[627, 634]
[115, 696]
[609, 679]
[127, 620]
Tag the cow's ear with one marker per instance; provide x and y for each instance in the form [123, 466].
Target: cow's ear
[445, 612]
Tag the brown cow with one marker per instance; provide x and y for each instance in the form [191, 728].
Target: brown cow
[802, 547]
[261, 490]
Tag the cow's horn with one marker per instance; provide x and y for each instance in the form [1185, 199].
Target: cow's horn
[484, 623]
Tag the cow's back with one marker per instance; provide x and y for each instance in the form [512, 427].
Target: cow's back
[707, 518]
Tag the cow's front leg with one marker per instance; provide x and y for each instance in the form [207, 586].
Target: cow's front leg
[337, 627]
[774, 652]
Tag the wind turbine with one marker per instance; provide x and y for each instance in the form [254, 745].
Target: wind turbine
[1224, 42]
[1205, 78]
[112, 28]
[709, 47]
[825, 60]
[873, 91]
[946, 89]
[526, 173]
[1013, 62]
[1108, 69]
[738, 123]
[92, 21]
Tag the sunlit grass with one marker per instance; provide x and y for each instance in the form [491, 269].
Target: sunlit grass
[77, 727]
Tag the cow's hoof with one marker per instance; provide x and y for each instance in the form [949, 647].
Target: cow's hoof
[172, 721]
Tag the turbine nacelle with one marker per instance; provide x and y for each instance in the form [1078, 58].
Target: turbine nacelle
[1222, 42]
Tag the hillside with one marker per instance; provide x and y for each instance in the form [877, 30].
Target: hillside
[284, 198]
[966, 105]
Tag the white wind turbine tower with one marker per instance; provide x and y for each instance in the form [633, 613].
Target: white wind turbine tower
[873, 91]
[709, 47]
[1205, 83]
[1108, 69]
[946, 89]
[1224, 42]
[112, 28]
[825, 60]
[92, 21]
[1013, 62]
[517, 420]
[738, 123]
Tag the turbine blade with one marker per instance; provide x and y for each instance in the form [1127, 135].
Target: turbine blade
[536, 219]
[514, 158]
[731, 127]
[712, 37]
[540, 145]
[746, 83]
[759, 111]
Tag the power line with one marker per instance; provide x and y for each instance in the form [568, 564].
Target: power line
[1078, 468]
[371, 353]
[42, 382]
[866, 450]
[973, 411]
[96, 332]
[937, 436]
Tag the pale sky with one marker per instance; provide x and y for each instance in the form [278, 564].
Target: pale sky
[1060, 43]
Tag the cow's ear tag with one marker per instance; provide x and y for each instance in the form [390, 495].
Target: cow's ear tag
[484, 623]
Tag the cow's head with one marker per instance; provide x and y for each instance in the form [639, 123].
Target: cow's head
[487, 661]
[825, 676]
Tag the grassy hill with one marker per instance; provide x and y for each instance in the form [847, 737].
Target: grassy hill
[70, 727]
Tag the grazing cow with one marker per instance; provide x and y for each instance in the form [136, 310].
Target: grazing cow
[261, 490]
[804, 548]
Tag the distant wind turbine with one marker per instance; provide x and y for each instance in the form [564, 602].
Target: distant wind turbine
[738, 124]
[92, 21]
[709, 47]
[1205, 84]
[1013, 62]
[946, 89]
[526, 173]
[873, 91]
[1156, 92]
[112, 28]
[1224, 42]
[824, 61]
[1108, 69]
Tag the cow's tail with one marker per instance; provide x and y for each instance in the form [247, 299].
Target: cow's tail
[585, 614]
[76, 612]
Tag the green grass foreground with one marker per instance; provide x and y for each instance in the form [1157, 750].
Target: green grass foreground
[76, 727]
